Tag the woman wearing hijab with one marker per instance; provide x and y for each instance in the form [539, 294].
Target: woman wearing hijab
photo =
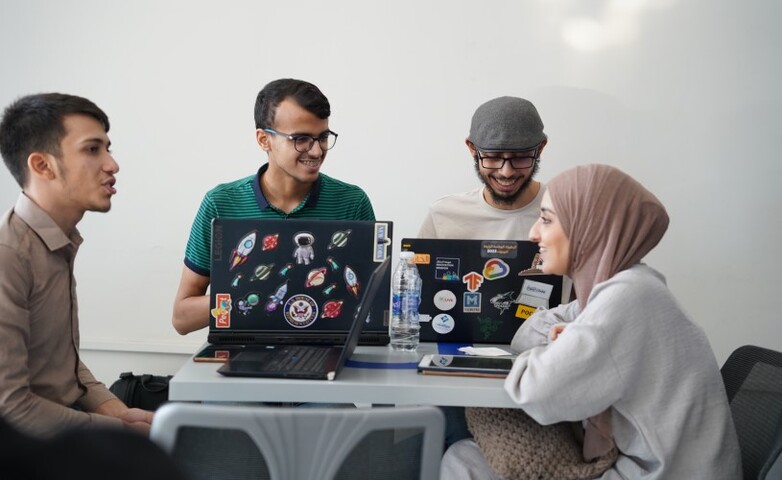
[623, 355]
[628, 349]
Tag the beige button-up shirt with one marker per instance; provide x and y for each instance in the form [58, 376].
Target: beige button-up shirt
[41, 375]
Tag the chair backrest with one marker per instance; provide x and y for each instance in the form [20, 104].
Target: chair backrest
[753, 382]
[238, 442]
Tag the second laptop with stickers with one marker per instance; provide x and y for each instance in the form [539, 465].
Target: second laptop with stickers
[479, 291]
[294, 282]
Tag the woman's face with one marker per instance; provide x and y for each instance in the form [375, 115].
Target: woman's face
[554, 246]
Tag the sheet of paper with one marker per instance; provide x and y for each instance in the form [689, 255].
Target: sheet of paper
[485, 351]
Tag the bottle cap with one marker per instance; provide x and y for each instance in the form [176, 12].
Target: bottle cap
[406, 255]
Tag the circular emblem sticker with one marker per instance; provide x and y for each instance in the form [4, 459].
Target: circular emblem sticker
[301, 311]
[444, 300]
[442, 323]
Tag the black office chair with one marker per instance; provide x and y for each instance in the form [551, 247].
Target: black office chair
[753, 381]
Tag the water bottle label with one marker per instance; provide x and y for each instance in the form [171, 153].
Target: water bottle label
[396, 305]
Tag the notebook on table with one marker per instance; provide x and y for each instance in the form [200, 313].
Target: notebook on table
[314, 362]
[294, 282]
[479, 291]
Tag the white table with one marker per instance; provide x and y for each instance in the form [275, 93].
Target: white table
[196, 382]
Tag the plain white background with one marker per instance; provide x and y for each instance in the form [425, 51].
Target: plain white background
[683, 95]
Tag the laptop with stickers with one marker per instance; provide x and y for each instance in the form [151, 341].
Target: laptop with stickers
[314, 362]
[479, 291]
[294, 282]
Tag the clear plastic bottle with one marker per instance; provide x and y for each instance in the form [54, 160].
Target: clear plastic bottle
[406, 296]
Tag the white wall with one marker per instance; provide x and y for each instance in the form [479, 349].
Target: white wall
[684, 95]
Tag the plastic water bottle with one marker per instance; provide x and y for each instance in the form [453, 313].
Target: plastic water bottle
[406, 295]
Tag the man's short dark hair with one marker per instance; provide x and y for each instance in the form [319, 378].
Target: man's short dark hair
[34, 123]
[307, 95]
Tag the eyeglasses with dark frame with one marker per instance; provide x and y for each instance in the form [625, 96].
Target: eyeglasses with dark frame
[519, 162]
[303, 143]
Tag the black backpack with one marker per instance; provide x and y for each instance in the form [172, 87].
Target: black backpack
[147, 392]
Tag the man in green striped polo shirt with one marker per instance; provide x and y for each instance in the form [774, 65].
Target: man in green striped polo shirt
[292, 127]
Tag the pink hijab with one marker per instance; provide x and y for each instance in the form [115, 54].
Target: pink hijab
[611, 222]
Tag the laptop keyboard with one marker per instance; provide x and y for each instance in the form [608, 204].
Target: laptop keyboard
[302, 359]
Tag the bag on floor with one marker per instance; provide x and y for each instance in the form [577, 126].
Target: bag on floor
[141, 391]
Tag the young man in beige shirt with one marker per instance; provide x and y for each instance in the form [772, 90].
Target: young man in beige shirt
[57, 149]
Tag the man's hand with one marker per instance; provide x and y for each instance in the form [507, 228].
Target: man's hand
[134, 419]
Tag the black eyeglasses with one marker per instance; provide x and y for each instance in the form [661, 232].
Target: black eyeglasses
[518, 162]
[303, 143]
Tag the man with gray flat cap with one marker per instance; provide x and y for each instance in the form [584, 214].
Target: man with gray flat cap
[506, 140]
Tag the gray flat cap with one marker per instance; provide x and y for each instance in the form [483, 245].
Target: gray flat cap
[506, 124]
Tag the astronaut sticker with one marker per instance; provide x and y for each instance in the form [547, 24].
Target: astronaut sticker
[304, 252]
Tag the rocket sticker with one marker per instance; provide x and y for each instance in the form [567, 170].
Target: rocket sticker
[241, 253]
[351, 281]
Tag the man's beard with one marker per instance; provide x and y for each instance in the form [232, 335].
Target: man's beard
[502, 198]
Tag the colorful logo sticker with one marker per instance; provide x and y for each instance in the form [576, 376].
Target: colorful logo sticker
[502, 301]
[236, 280]
[524, 311]
[222, 310]
[443, 323]
[499, 249]
[495, 268]
[444, 300]
[301, 311]
[422, 259]
[241, 253]
[447, 269]
[304, 252]
[471, 302]
[487, 326]
[473, 280]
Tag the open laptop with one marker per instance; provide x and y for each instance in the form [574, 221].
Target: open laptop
[313, 362]
[479, 291]
[294, 282]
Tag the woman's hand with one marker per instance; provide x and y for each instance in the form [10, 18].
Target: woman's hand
[555, 331]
